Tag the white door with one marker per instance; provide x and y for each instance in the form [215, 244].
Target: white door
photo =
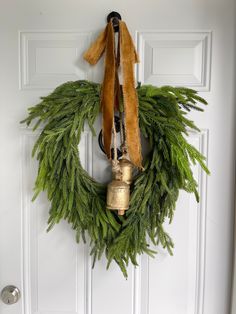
[181, 42]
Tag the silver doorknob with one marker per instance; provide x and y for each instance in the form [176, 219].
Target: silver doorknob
[10, 294]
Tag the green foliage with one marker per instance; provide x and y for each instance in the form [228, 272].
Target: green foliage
[77, 198]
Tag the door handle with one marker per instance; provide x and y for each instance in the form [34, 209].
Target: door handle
[10, 295]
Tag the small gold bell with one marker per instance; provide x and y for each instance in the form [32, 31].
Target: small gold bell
[118, 196]
[126, 169]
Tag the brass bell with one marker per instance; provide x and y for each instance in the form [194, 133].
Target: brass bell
[118, 193]
[126, 168]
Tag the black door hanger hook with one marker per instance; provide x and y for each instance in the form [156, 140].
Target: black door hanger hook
[115, 17]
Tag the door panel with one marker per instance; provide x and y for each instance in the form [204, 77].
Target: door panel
[180, 42]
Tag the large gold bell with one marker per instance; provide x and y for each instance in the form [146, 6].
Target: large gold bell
[118, 196]
[126, 168]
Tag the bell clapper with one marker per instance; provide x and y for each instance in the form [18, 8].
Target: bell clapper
[121, 212]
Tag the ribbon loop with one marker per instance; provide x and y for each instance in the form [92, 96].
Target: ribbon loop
[110, 87]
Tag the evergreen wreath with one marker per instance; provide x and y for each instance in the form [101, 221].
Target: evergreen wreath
[79, 199]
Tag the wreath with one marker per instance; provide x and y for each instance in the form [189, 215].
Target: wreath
[76, 197]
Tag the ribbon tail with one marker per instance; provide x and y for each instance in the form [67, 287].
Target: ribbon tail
[108, 90]
[128, 58]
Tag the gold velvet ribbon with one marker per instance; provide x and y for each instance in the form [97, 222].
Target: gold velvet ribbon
[110, 87]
